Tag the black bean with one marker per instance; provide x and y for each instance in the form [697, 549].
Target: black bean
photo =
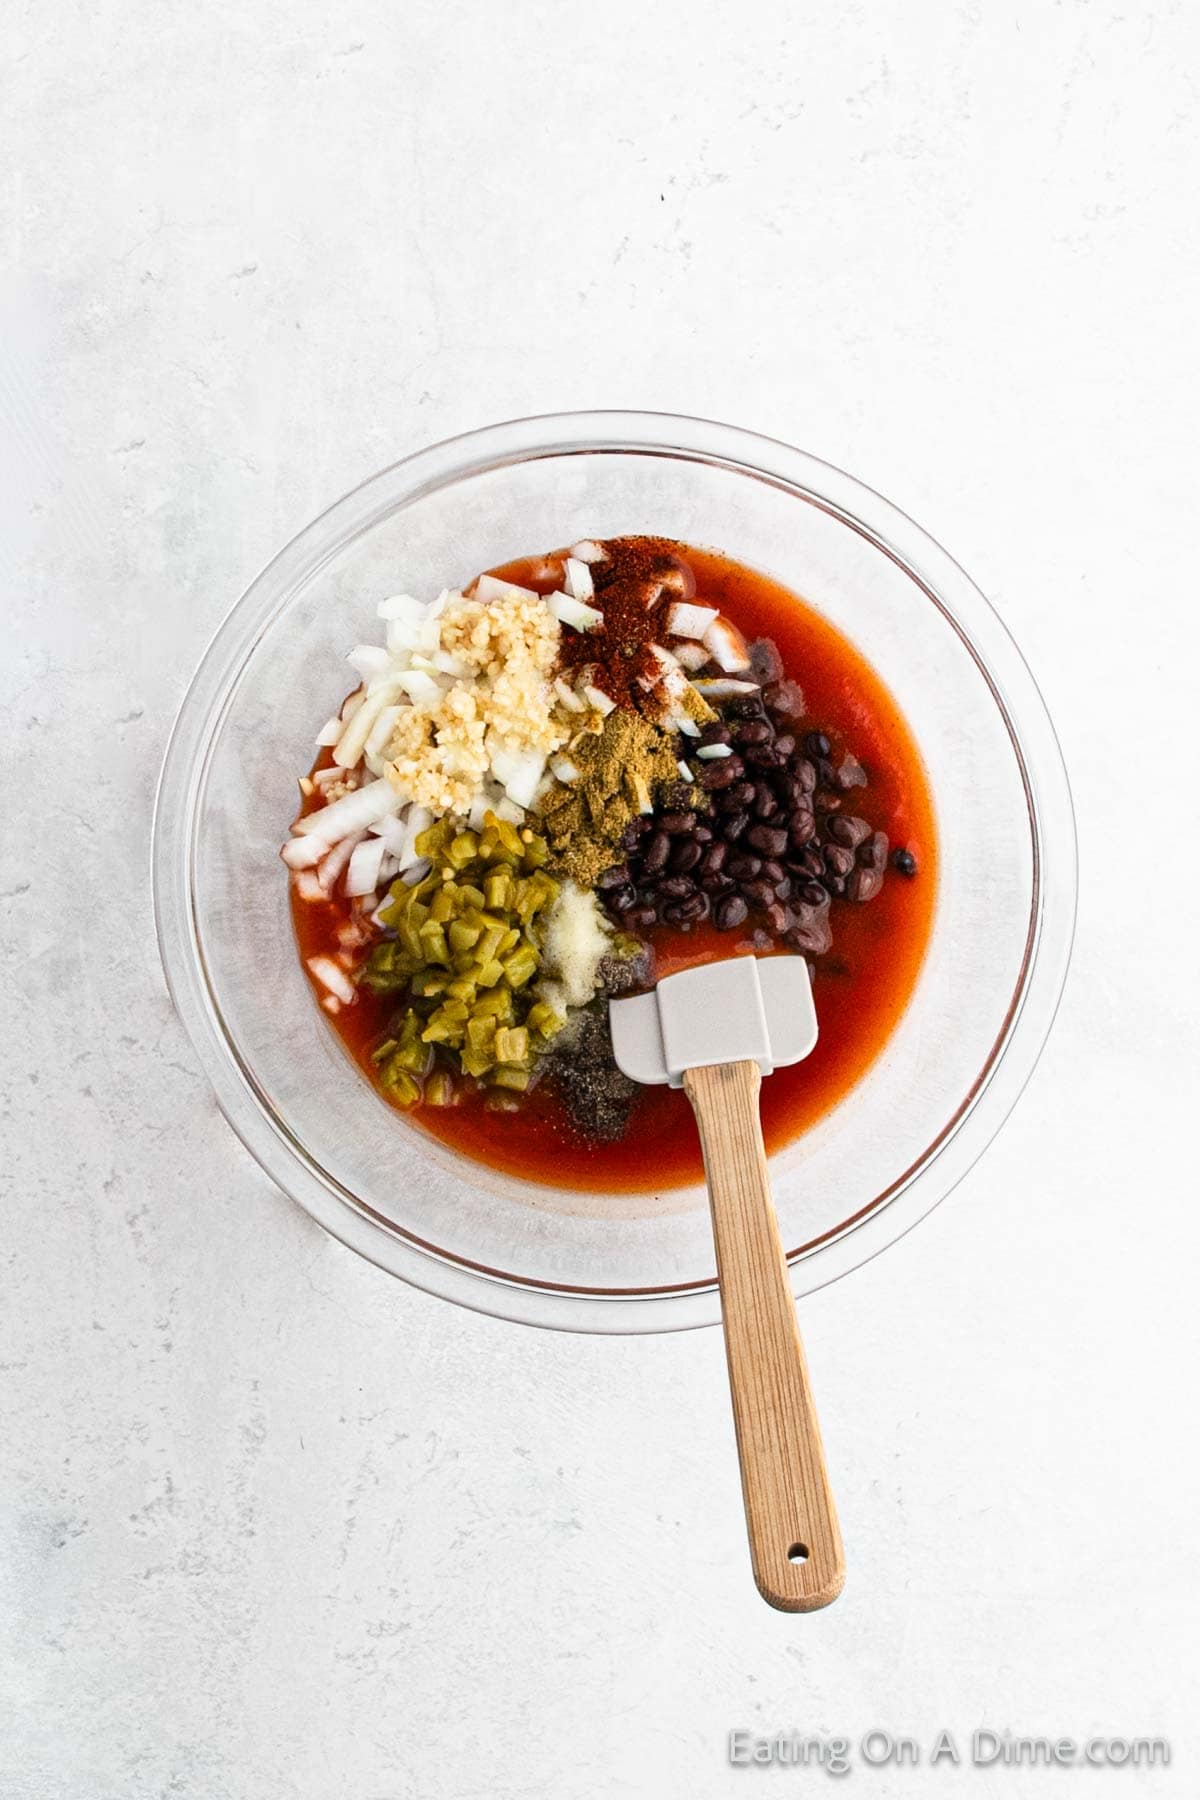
[753, 731]
[733, 824]
[904, 861]
[770, 839]
[801, 827]
[716, 734]
[721, 774]
[864, 884]
[731, 911]
[826, 801]
[824, 770]
[852, 831]
[812, 863]
[634, 832]
[837, 886]
[702, 833]
[677, 887]
[621, 899]
[687, 912]
[738, 797]
[744, 706]
[766, 664]
[759, 893]
[812, 893]
[657, 852]
[765, 803]
[817, 744]
[617, 876]
[675, 822]
[849, 774]
[771, 870]
[714, 859]
[744, 868]
[839, 859]
[786, 699]
[873, 854]
[641, 918]
[717, 884]
[786, 744]
[764, 756]
[685, 855]
[814, 937]
[806, 774]
[777, 917]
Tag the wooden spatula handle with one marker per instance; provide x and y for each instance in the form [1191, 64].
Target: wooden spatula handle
[795, 1543]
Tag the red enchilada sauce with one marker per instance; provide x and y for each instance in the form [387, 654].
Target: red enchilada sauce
[861, 986]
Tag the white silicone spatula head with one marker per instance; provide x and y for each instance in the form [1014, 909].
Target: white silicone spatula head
[715, 1031]
[745, 1010]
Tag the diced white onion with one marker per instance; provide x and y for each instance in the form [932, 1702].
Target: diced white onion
[331, 1003]
[420, 686]
[326, 777]
[683, 723]
[588, 551]
[394, 834]
[684, 770]
[377, 918]
[489, 588]
[303, 852]
[353, 812]
[596, 697]
[350, 746]
[519, 774]
[366, 864]
[331, 865]
[381, 731]
[713, 752]
[569, 611]
[690, 656]
[478, 810]
[351, 704]
[448, 664]
[371, 661]
[510, 812]
[402, 639]
[687, 621]
[577, 579]
[330, 976]
[329, 733]
[564, 770]
[416, 871]
[417, 820]
[720, 688]
[669, 673]
[726, 645]
[308, 886]
[402, 607]
[569, 698]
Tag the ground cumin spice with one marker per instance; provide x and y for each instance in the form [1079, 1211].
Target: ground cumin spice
[622, 770]
[635, 588]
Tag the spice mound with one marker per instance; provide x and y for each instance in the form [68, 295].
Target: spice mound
[546, 787]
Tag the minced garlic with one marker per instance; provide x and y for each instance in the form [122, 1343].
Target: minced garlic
[440, 751]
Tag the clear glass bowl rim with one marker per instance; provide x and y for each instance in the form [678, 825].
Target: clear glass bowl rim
[818, 483]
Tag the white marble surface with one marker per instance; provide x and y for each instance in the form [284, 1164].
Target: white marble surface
[273, 1527]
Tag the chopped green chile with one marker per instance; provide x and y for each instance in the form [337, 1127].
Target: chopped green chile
[463, 959]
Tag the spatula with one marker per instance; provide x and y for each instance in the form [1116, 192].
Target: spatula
[716, 1031]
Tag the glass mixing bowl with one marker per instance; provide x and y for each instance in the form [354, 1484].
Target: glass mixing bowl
[1001, 937]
